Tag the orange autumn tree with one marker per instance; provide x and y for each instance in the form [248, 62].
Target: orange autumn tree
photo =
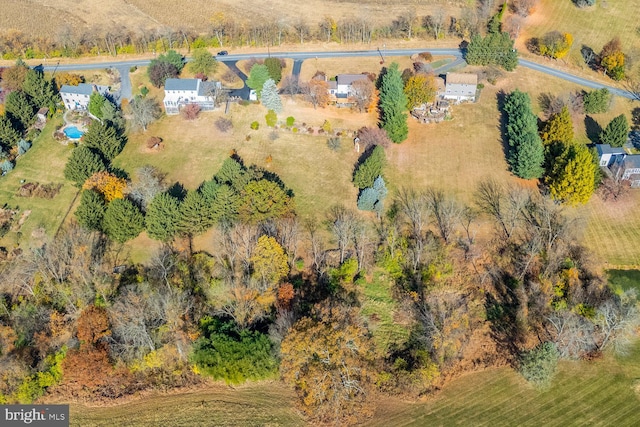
[108, 185]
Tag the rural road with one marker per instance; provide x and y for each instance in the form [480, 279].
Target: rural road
[299, 57]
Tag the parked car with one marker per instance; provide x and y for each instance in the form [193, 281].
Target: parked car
[223, 53]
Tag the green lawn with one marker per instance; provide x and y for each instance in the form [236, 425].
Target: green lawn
[43, 163]
[383, 312]
[625, 279]
[600, 393]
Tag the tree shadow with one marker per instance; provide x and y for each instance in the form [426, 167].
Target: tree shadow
[593, 129]
[589, 57]
[501, 98]
[178, 191]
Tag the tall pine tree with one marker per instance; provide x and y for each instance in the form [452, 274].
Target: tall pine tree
[616, 132]
[526, 152]
[393, 104]
[163, 215]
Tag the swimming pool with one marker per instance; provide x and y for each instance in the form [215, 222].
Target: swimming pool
[73, 132]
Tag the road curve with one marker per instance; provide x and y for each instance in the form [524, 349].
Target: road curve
[301, 56]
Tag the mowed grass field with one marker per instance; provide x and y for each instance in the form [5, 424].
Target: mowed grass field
[44, 164]
[261, 404]
[600, 393]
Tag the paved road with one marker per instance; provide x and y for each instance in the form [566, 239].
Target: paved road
[298, 57]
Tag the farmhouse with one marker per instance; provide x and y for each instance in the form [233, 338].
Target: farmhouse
[460, 87]
[621, 165]
[341, 88]
[180, 92]
[77, 97]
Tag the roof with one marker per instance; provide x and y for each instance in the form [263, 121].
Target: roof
[462, 78]
[207, 88]
[81, 89]
[44, 111]
[347, 79]
[632, 161]
[182, 84]
[608, 149]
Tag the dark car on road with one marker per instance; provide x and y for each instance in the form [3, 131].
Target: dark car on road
[223, 53]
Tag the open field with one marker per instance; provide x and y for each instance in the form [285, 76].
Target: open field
[600, 393]
[44, 164]
[603, 393]
[261, 404]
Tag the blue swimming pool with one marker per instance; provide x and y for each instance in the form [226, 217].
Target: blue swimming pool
[73, 132]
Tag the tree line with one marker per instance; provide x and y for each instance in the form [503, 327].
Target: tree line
[227, 30]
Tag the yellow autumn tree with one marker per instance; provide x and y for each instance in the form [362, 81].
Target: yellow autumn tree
[329, 361]
[420, 89]
[269, 263]
[110, 186]
[573, 178]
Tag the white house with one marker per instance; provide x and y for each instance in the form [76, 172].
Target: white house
[608, 154]
[460, 87]
[627, 168]
[77, 97]
[180, 92]
[341, 88]
[621, 165]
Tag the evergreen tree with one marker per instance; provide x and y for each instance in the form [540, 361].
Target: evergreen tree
[526, 153]
[41, 91]
[104, 138]
[82, 164]
[370, 169]
[270, 97]
[9, 136]
[558, 128]
[233, 173]
[20, 109]
[616, 132]
[367, 199]
[113, 116]
[528, 158]
[122, 220]
[258, 75]
[393, 103]
[274, 67]
[495, 48]
[96, 102]
[573, 177]
[596, 101]
[225, 204]
[163, 217]
[194, 216]
[91, 210]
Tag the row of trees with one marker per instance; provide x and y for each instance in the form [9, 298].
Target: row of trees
[226, 30]
[235, 193]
